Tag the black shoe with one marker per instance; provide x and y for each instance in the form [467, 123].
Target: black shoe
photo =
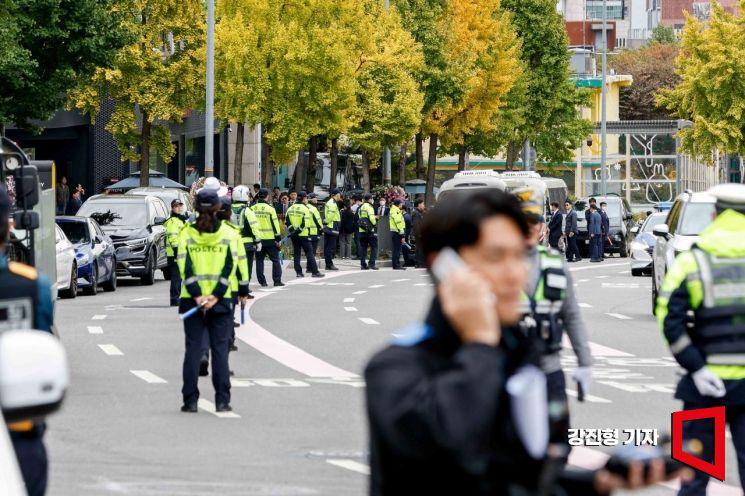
[318, 274]
[231, 373]
[189, 408]
[233, 347]
[223, 407]
[279, 284]
[332, 267]
[374, 267]
[250, 296]
[365, 267]
[263, 284]
[299, 274]
[399, 268]
[236, 324]
[204, 368]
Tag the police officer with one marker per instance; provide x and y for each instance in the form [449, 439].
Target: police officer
[248, 224]
[269, 236]
[298, 220]
[549, 309]
[207, 259]
[368, 233]
[316, 226]
[331, 223]
[240, 199]
[173, 226]
[26, 301]
[398, 234]
[709, 281]
[241, 270]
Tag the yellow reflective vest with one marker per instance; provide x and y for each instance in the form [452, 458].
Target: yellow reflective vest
[266, 216]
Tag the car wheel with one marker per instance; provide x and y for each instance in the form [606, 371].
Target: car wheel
[93, 288]
[149, 278]
[72, 291]
[624, 250]
[110, 285]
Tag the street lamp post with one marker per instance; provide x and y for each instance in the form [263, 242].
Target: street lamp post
[603, 104]
[209, 118]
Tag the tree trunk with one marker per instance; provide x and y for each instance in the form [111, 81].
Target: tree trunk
[365, 172]
[402, 165]
[145, 151]
[419, 156]
[429, 198]
[512, 149]
[462, 158]
[267, 167]
[238, 172]
[334, 158]
[310, 181]
[298, 175]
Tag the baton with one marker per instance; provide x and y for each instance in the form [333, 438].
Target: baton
[192, 311]
[243, 315]
[580, 392]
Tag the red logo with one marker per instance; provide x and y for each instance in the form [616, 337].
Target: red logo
[716, 469]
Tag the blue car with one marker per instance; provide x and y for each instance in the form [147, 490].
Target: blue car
[94, 252]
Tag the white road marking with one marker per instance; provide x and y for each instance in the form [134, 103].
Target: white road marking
[98, 317]
[369, 321]
[584, 305]
[352, 465]
[584, 280]
[624, 272]
[208, 406]
[149, 377]
[588, 397]
[95, 330]
[348, 300]
[359, 292]
[641, 388]
[424, 284]
[621, 285]
[619, 316]
[602, 277]
[376, 286]
[110, 349]
[142, 299]
[350, 309]
[400, 280]
[597, 349]
[601, 266]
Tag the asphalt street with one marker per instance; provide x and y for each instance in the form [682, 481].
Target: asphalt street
[298, 425]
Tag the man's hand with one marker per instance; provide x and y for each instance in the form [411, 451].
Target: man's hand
[708, 383]
[200, 300]
[470, 307]
[243, 299]
[606, 482]
[571, 234]
[583, 375]
[211, 302]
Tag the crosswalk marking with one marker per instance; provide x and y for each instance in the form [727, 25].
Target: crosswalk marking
[376, 286]
[110, 349]
[619, 316]
[98, 317]
[369, 321]
[400, 280]
[350, 309]
[348, 300]
[352, 465]
[208, 406]
[588, 397]
[95, 330]
[584, 305]
[149, 377]
[597, 349]
[359, 292]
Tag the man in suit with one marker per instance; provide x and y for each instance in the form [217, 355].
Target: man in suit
[382, 209]
[570, 230]
[554, 226]
[606, 229]
[595, 230]
[593, 203]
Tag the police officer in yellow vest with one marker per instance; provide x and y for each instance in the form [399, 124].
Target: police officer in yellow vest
[550, 309]
[269, 236]
[398, 234]
[368, 233]
[316, 227]
[248, 224]
[207, 259]
[709, 281]
[26, 303]
[298, 220]
[173, 226]
[331, 225]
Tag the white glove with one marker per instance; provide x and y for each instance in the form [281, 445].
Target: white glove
[583, 375]
[258, 247]
[708, 383]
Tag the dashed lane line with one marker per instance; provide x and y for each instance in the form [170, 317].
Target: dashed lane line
[208, 406]
[352, 465]
[110, 349]
[424, 284]
[619, 316]
[602, 277]
[369, 321]
[359, 292]
[348, 300]
[95, 330]
[98, 317]
[584, 305]
[584, 280]
[350, 309]
[400, 280]
[588, 397]
[376, 286]
[142, 299]
[149, 377]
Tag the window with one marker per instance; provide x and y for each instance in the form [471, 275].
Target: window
[696, 218]
[672, 217]
[76, 232]
[594, 9]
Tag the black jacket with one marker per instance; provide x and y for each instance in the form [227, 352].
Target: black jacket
[554, 226]
[348, 222]
[440, 421]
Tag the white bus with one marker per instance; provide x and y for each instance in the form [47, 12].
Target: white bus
[470, 180]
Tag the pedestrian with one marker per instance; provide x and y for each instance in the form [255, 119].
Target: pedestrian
[74, 204]
[367, 233]
[207, 260]
[571, 230]
[593, 203]
[398, 235]
[416, 226]
[605, 222]
[299, 218]
[382, 209]
[407, 234]
[293, 198]
[347, 231]
[173, 226]
[248, 225]
[554, 226]
[595, 231]
[549, 310]
[439, 416]
[62, 195]
[331, 228]
[27, 304]
[270, 237]
[709, 282]
[316, 226]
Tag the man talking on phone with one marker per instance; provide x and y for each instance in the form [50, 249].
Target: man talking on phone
[442, 406]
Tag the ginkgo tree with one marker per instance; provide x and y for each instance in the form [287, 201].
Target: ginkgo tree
[154, 80]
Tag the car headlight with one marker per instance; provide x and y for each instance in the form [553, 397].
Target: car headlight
[83, 258]
[136, 243]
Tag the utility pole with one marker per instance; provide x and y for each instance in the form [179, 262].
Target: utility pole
[387, 151]
[209, 118]
[603, 104]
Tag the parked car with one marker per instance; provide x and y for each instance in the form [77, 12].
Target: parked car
[643, 245]
[691, 213]
[67, 267]
[135, 225]
[165, 194]
[621, 223]
[94, 252]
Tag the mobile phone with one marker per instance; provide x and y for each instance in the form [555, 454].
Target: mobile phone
[621, 460]
[447, 262]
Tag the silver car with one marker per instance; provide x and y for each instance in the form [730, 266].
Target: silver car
[642, 247]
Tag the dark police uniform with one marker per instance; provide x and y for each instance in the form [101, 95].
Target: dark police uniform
[26, 303]
[269, 236]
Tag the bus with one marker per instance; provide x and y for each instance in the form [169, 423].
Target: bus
[469, 181]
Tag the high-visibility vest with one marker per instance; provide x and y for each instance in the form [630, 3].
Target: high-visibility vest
[396, 220]
[266, 216]
[239, 277]
[299, 217]
[332, 215]
[366, 211]
[208, 253]
[173, 226]
[316, 224]
[249, 225]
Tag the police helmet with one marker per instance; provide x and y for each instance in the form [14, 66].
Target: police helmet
[207, 198]
[241, 193]
[729, 196]
[531, 206]
[211, 183]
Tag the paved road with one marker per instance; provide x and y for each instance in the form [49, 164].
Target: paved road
[298, 424]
